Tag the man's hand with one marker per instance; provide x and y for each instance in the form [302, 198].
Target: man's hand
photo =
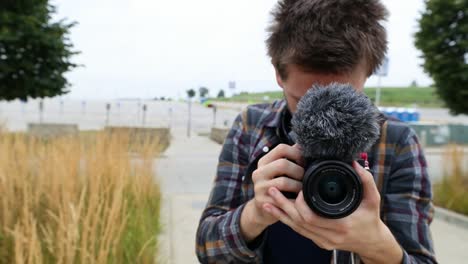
[281, 169]
[362, 232]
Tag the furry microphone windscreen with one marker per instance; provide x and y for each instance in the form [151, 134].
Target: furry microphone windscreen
[335, 122]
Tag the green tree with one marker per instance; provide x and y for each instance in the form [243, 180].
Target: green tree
[203, 91]
[443, 40]
[35, 51]
[191, 93]
[221, 94]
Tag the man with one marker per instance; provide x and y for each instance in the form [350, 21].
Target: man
[248, 219]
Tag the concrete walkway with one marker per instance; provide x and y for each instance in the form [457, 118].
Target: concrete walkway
[450, 242]
[186, 172]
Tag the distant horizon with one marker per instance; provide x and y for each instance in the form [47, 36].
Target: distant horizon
[211, 95]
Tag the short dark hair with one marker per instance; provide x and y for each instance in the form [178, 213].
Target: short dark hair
[327, 36]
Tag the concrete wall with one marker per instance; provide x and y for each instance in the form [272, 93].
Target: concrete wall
[142, 133]
[49, 130]
[219, 134]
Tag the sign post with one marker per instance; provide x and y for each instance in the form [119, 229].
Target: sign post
[139, 110]
[108, 108]
[83, 107]
[41, 111]
[232, 86]
[214, 115]
[189, 125]
[145, 108]
[118, 112]
[61, 106]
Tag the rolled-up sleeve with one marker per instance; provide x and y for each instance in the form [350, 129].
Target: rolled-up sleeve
[408, 201]
[219, 238]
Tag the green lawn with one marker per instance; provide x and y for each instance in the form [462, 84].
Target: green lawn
[390, 96]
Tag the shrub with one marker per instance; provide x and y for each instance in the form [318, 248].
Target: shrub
[451, 192]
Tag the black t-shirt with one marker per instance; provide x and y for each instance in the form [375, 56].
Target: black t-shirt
[284, 246]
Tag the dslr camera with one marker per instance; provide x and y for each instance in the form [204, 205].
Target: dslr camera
[334, 125]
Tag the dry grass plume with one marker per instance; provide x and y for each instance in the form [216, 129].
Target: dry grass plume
[85, 199]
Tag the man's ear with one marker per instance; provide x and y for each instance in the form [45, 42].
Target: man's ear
[278, 79]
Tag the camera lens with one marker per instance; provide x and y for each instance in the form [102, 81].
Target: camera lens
[332, 188]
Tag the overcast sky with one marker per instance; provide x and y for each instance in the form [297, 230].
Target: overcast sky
[148, 48]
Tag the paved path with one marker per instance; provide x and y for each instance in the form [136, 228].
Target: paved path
[186, 172]
[450, 242]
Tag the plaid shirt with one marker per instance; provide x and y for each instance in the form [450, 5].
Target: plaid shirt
[397, 162]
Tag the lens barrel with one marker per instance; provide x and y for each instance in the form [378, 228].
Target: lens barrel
[332, 188]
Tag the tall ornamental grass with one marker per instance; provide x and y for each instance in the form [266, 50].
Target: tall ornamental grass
[451, 192]
[81, 199]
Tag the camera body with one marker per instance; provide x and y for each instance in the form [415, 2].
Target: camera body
[331, 187]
